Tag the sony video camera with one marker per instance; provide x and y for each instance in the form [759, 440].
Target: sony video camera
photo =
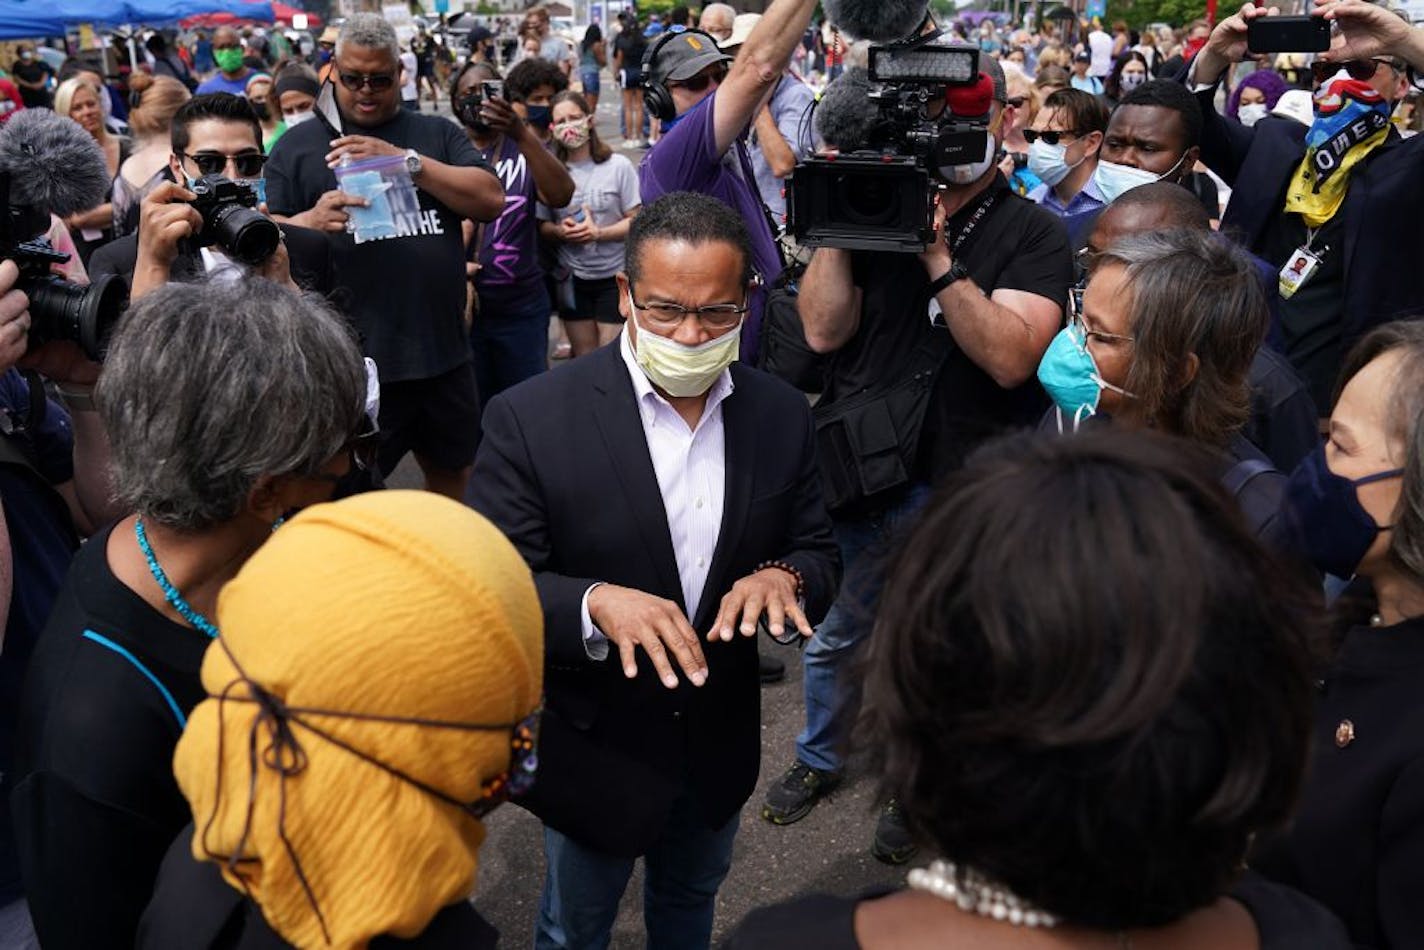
[880, 195]
[59, 309]
[231, 222]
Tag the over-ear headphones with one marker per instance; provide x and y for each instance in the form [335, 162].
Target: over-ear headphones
[657, 98]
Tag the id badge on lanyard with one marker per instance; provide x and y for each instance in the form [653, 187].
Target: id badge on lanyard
[1300, 267]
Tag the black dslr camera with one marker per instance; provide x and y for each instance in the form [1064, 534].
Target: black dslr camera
[880, 197]
[231, 221]
[59, 309]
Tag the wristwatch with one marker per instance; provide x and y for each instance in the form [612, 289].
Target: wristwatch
[957, 271]
[412, 162]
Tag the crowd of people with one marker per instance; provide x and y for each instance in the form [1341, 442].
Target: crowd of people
[1099, 514]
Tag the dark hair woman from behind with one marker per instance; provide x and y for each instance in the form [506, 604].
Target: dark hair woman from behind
[1088, 687]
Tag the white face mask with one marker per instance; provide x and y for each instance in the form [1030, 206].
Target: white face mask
[680, 370]
[1251, 113]
[1114, 179]
[1130, 81]
[297, 118]
[969, 174]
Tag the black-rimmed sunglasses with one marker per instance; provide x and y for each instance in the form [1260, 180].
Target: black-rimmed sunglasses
[248, 164]
[379, 82]
[1360, 69]
[701, 80]
[1052, 138]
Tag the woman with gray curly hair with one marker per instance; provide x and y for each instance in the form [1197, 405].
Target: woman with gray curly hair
[227, 406]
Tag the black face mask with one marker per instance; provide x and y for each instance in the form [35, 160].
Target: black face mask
[263, 113]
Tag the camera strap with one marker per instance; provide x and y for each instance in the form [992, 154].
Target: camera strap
[985, 204]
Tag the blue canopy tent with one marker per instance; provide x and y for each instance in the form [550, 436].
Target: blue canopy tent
[20, 19]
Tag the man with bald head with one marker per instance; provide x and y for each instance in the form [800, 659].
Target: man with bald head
[232, 74]
[1284, 423]
[717, 19]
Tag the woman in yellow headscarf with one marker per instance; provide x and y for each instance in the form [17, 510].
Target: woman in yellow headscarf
[372, 695]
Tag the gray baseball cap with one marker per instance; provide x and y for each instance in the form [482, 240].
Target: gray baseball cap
[685, 55]
[991, 68]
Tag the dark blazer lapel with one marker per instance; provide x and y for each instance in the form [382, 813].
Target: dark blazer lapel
[621, 425]
[739, 432]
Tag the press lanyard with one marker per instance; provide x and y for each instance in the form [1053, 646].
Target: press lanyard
[972, 223]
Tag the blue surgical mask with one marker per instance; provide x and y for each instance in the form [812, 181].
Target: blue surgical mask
[1048, 162]
[1070, 375]
[1114, 179]
[1324, 514]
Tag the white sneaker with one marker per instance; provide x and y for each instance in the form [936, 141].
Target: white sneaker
[630, 143]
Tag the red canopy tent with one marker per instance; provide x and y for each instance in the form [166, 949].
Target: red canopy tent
[282, 12]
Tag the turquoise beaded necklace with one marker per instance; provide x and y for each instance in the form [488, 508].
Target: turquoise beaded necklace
[170, 593]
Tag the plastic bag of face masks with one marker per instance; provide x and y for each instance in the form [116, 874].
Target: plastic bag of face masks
[385, 182]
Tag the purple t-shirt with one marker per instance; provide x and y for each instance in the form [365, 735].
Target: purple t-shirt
[686, 159]
[509, 255]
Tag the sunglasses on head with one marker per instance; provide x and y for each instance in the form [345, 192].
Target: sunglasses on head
[701, 80]
[1052, 138]
[1360, 69]
[379, 82]
[248, 164]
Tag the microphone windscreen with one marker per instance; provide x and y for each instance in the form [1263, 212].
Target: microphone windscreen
[845, 116]
[880, 21]
[971, 101]
[53, 163]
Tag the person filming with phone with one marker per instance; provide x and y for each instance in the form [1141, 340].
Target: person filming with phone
[1328, 192]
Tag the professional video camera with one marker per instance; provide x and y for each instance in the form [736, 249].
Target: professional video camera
[59, 310]
[49, 164]
[877, 191]
[230, 221]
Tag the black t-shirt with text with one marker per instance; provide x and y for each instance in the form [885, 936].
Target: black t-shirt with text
[408, 292]
[1015, 246]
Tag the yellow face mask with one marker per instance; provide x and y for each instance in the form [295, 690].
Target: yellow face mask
[680, 370]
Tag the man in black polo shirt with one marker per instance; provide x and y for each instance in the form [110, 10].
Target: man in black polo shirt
[906, 399]
[408, 289]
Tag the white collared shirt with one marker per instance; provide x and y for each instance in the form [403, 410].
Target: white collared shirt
[691, 468]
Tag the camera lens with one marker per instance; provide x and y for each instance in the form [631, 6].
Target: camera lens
[247, 235]
[60, 310]
[870, 200]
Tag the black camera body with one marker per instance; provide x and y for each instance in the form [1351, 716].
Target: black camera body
[59, 309]
[231, 221]
[881, 197]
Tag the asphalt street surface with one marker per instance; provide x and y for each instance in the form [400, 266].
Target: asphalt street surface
[828, 851]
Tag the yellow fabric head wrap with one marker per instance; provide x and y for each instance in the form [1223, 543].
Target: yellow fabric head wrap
[391, 604]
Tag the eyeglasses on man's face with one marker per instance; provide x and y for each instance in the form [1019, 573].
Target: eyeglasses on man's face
[246, 164]
[665, 315]
[378, 82]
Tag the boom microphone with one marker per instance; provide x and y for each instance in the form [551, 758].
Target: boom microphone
[53, 163]
[846, 116]
[880, 21]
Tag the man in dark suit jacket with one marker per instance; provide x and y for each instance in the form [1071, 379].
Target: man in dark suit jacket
[1369, 249]
[665, 498]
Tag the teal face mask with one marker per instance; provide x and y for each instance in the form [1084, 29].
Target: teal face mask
[1070, 375]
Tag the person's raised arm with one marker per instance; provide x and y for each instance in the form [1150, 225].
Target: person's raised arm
[758, 66]
[552, 180]
[829, 302]
[1364, 30]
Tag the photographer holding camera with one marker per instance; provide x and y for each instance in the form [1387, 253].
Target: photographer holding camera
[184, 237]
[54, 459]
[906, 399]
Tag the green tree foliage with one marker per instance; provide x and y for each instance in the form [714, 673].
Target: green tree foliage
[1139, 13]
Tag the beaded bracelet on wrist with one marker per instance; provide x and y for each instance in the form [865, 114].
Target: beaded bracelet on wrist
[783, 566]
